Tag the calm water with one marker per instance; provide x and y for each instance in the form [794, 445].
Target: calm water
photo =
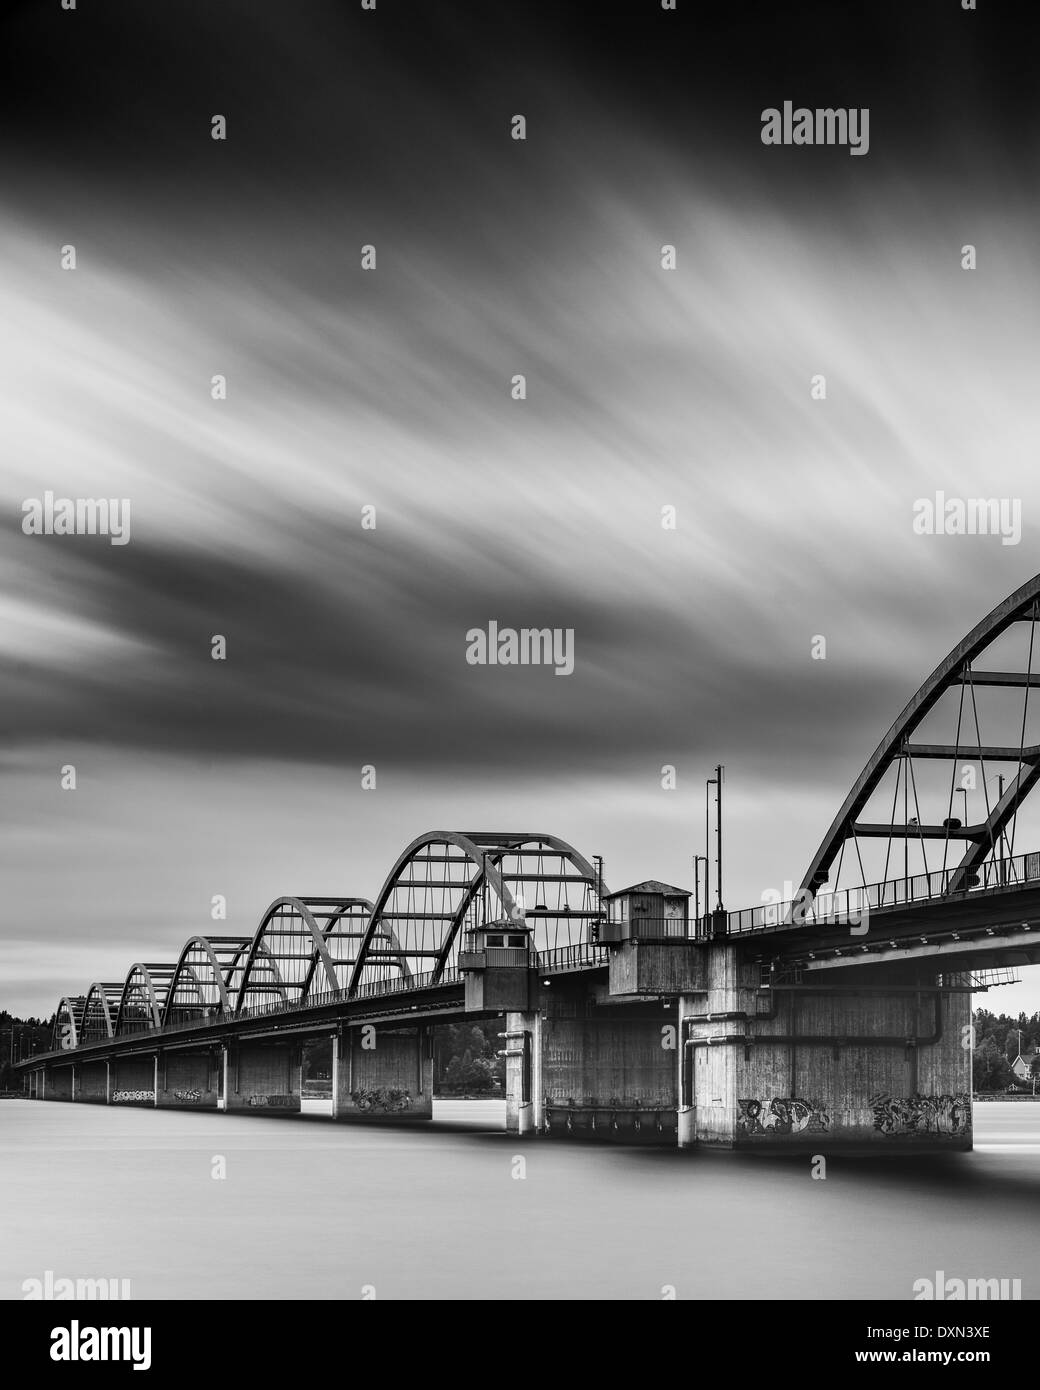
[310, 1210]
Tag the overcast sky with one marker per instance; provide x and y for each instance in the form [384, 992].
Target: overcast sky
[391, 388]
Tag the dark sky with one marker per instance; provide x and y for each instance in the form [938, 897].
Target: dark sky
[114, 85]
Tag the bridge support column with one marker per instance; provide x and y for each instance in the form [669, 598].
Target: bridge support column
[60, 1087]
[383, 1074]
[522, 1045]
[340, 1072]
[869, 1059]
[262, 1076]
[91, 1082]
[133, 1080]
[188, 1080]
[605, 1070]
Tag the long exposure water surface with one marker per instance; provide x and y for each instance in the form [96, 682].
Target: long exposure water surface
[310, 1209]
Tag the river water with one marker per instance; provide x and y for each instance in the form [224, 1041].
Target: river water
[309, 1209]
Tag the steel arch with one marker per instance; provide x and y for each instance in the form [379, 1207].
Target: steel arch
[303, 962]
[345, 920]
[143, 997]
[99, 1011]
[202, 975]
[480, 856]
[954, 670]
[68, 1014]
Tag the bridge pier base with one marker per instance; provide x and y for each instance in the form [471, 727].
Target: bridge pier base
[92, 1082]
[59, 1082]
[580, 1066]
[382, 1074]
[262, 1077]
[875, 1059]
[133, 1079]
[188, 1080]
[522, 1045]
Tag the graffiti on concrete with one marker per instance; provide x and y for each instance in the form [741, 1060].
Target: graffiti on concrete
[189, 1097]
[118, 1096]
[781, 1115]
[387, 1098]
[921, 1114]
[282, 1102]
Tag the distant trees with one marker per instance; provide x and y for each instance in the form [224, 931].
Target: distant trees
[990, 1069]
[999, 1038]
[466, 1061]
[20, 1038]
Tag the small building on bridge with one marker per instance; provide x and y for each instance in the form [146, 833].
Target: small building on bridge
[646, 909]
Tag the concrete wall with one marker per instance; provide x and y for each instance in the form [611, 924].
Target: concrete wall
[523, 1049]
[643, 967]
[133, 1080]
[92, 1082]
[607, 1072]
[383, 1074]
[864, 1085]
[59, 1082]
[263, 1077]
[188, 1080]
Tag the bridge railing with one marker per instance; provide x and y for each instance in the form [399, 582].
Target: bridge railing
[373, 989]
[393, 984]
[851, 905]
[657, 929]
[580, 956]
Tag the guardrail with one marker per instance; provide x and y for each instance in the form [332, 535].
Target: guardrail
[643, 928]
[580, 956]
[851, 904]
[373, 989]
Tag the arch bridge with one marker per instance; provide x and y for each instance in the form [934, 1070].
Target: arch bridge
[844, 1009]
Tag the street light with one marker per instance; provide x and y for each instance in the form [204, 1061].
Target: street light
[715, 782]
[698, 860]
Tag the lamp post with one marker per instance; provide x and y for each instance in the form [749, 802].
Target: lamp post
[715, 782]
[709, 783]
[698, 860]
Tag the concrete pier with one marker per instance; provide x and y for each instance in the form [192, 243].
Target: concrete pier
[864, 1059]
[262, 1076]
[189, 1080]
[383, 1074]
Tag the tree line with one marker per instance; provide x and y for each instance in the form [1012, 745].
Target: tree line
[20, 1038]
[998, 1039]
[465, 1060]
